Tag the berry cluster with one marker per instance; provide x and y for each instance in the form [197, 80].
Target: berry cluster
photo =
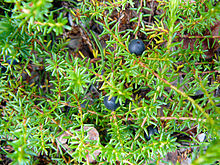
[9, 60]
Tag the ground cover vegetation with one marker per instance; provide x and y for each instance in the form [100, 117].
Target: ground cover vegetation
[109, 82]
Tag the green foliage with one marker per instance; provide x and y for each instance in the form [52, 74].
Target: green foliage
[47, 93]
[211, 155]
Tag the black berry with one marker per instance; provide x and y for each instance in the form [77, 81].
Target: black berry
[151, 130]
[3, 69]
[100, 28]
[10, 60]
[111, 104]
[97, 28]
[136, 46]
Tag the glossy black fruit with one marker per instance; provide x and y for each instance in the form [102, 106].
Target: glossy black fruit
[2, 141]
[10, 60]
[97, 28]
[136, 46]
[151, 130]
[2, 105]
[111, 104]
[217, 95]
[3, 69]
